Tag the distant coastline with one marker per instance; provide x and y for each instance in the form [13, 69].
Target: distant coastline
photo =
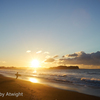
[65, 67]
[58, 67]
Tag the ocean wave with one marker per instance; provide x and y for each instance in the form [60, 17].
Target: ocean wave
[76, 78]
[94, 82]
[90, 79]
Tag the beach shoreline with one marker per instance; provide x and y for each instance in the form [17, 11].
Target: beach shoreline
[17, 89]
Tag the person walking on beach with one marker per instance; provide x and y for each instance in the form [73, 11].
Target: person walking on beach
[16, 75]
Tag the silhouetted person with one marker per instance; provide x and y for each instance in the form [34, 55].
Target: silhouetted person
[16, 75]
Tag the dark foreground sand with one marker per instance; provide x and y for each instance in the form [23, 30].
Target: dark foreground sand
[35, 91]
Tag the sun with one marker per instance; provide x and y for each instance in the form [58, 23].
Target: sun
[35, 63]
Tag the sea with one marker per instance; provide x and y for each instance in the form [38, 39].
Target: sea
[85, 81]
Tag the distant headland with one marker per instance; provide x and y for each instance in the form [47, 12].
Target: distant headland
[65, 67]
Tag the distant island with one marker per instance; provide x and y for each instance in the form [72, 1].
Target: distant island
[65, 67]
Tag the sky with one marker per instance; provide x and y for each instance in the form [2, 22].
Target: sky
[52, 31]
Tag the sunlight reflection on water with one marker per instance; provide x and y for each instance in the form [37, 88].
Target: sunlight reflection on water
[34, 80]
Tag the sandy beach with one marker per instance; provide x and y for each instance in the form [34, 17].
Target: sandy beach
[16, 89]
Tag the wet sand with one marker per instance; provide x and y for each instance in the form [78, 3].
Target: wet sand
[16, 89]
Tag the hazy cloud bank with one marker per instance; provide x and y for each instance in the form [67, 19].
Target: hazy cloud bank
[77, 58]
[81, 58]
[50, 60]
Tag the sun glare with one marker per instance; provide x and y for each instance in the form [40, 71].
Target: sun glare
[34, 80]
[35, 63]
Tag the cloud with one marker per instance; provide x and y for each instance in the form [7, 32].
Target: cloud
[39, 51]
[28, 51]
[50, 60]
[82, 58]
[63, 56]
[72, 55]
[55, 56]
